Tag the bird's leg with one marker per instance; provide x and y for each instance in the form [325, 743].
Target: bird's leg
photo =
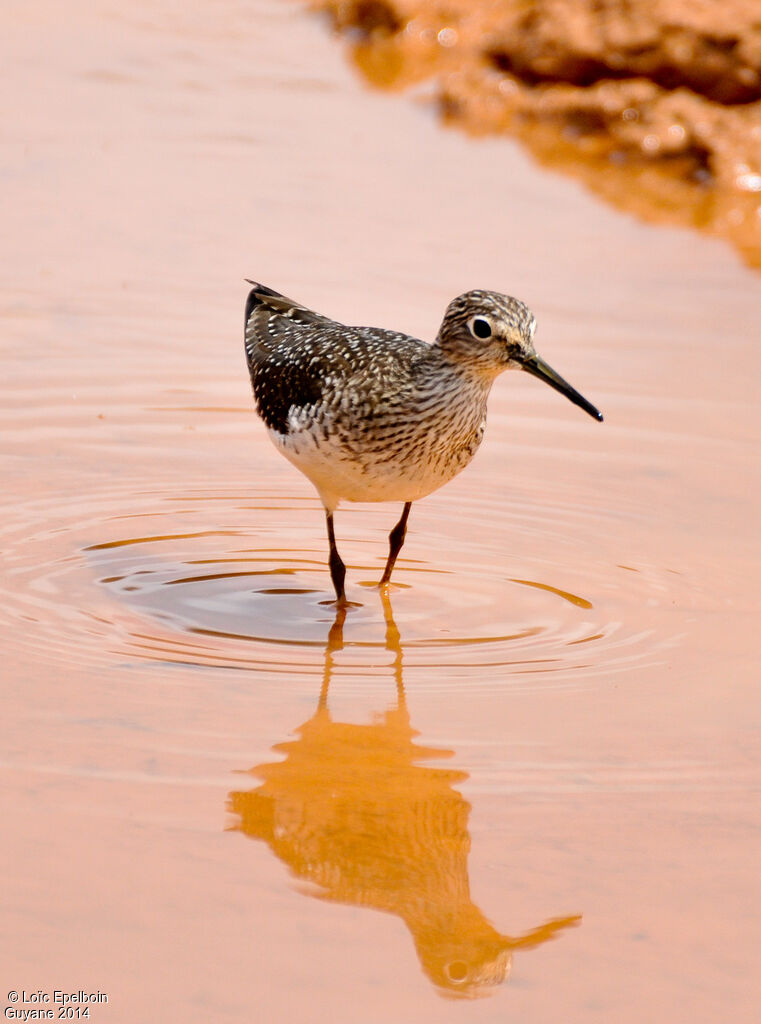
[337, 567]
[395, 541]
[335, 643]
[394, 644]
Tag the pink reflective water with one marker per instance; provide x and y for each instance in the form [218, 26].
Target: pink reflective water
[559, 715]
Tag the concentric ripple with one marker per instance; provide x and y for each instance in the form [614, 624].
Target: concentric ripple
[239, 581]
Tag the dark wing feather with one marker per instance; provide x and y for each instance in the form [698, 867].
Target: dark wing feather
[298, 358]
[270, 302]
[286, 354]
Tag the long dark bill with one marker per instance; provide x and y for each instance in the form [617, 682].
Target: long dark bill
[537, 367]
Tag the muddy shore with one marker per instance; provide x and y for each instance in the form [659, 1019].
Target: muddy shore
[655, 106]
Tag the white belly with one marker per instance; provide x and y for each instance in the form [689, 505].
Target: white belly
[339, 475]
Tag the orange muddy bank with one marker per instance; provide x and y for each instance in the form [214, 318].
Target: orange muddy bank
[654, 105]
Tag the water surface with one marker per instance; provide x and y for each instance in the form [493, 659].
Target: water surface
[533, 776]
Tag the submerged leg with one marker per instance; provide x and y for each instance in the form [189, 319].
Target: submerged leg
[337, 568]
[395, 541]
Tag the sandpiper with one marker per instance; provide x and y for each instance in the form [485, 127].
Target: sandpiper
[369, 414]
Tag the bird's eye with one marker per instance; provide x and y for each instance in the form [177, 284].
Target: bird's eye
[480, 327]
[457, 971]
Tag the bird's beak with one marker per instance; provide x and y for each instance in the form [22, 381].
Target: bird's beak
[537, 367]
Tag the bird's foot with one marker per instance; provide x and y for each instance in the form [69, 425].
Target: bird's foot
[341, 603]
[387, 587]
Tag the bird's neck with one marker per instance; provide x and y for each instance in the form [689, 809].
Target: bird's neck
[477, 373]
[451, 373]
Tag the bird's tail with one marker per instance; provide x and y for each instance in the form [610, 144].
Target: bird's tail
[263, 302]
[270, 315]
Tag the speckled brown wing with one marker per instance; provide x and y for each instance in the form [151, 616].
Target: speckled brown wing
[299, 359]
[284, 361]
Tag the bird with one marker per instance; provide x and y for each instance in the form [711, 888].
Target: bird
[373, 415]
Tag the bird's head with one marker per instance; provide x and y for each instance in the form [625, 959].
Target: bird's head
[488, 333]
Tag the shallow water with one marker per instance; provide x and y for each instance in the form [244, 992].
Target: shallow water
[211, 785]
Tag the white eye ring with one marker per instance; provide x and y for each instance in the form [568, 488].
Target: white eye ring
[480, 327]
[456, 972]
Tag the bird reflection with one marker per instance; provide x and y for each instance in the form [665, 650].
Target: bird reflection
[355, 811]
